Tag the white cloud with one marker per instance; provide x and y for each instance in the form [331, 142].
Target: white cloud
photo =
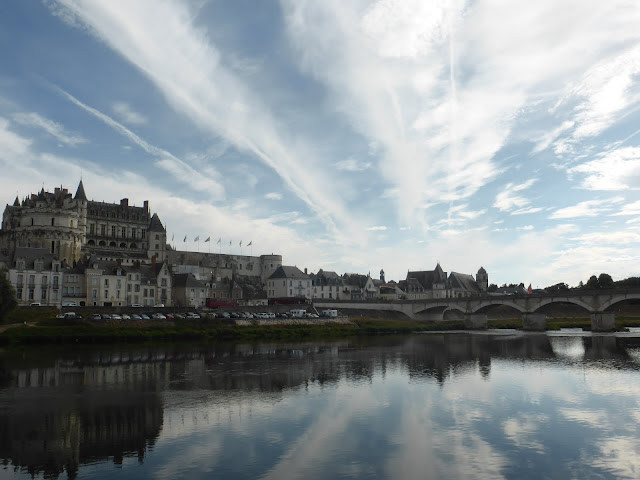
[615, 170]
[526, 227]
[352, 165]
[507, 200]
[54, 129]
[629, 209]
[165, 160]
[380, 228]
[273, 196]
[526, 211]
[124, 111]
[588, 208]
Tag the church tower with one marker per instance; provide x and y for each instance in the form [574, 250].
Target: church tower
[482, 279]
[382, 276]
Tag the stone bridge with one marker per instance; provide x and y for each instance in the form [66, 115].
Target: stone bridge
[600, 304]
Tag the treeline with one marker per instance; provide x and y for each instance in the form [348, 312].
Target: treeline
[602, 281]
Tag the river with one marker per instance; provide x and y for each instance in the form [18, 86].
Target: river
[485, 405]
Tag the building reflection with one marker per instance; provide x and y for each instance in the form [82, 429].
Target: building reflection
[111, 404]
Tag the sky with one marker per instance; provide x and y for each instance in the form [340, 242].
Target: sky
[349, 136]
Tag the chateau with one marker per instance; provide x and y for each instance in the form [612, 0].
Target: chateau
[61, 249]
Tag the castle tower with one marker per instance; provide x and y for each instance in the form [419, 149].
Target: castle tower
[382, 276]
[157, 239]
[482, 279]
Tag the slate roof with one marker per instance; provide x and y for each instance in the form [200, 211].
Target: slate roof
[30, 255]
[463, 281]
[427, 278]
[288, 272]
[186, 280]
[156, 224]
[80, 195]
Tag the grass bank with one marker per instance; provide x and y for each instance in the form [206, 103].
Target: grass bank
[61, 331]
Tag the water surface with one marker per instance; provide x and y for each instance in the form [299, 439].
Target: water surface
[434, 406]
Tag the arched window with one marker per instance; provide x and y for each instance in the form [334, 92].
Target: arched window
[102, 243]
[123, 245]
[113, 244]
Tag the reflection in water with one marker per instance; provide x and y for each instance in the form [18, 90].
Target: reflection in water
[426, 406]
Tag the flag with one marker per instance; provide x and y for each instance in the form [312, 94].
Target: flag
[229, 242]
[249, 244]
[197, 239]
[185, 238]
[219, 240]
[529, 290]
[173, 236]
[208, 238]
[241, 243]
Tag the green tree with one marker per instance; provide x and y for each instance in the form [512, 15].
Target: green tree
[592, 283]
[605, 281]
[492, 288]
[7, 295]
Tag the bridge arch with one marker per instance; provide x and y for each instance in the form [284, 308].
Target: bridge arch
[485, 305]
[619, 299]
[559, 300]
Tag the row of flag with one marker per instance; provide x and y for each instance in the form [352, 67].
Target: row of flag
[197, 239]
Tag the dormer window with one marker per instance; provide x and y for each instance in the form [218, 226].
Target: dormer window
[39, 266]
[20, 265]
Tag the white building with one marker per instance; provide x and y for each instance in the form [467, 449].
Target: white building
[289, 282]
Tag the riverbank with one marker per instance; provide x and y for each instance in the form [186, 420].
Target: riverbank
[54, 331]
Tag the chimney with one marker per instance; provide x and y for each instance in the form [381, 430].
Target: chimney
[153, 263]
[124, 202]
[305, 270]
[146, 206]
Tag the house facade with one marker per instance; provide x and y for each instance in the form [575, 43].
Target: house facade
[289, 282]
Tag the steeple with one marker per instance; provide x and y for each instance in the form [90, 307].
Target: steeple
[80, 195]
[16, 203]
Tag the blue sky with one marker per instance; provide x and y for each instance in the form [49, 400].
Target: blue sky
[349, 136]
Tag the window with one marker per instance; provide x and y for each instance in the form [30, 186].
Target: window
[94, 282]
[20, 279]
[39, 266]
[164, 293]
[133, 233]
[129, 276]
[113, 230]
[128, 287]
[144, 293]
[65, 291]
[118, 284]
[157, 237]
[92, 228]
[53, 222]
[45, 281]
[106, 294]
[163, 282]
[103, 230]
[151, 292]
[43, 294]
[77, 289]
[157, 246]
[144, 233]
[123, 231]
[137, 288]
[291, 292]
[20, 265]
[117, 293]
[106, 282]
[19, 293]
[94, 294]
[32, 281]
[56, 267]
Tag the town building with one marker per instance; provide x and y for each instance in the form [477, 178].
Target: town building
[289, 282]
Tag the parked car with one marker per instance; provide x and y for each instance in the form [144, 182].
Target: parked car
[159, 305]
[126, 317]
[136, 305]
[169, 316]
[181, 316]
[135, 316]
[192, 315]
[96, 316]
[106, 316]
[144, 316]
[69, 304]
[158, 316]
[34, 304]
[115, 316]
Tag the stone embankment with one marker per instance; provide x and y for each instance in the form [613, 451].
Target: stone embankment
[293, 321]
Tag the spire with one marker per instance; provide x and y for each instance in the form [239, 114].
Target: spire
[16, 203]
[80, 195]
[156, 224]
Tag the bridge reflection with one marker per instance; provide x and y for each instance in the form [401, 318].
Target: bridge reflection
[112, 404]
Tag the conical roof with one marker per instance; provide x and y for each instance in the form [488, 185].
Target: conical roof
[80, 195]
[16, 203]
[156, 224]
